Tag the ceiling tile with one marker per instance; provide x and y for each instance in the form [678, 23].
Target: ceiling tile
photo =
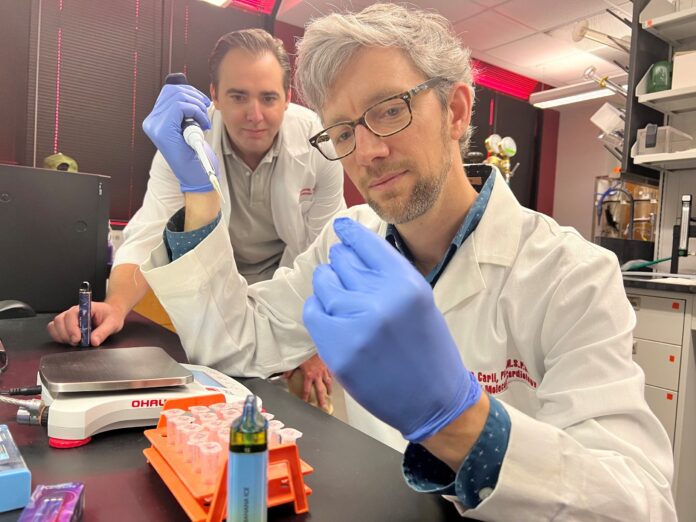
[299, 12]
[625, 8]
[603, 23]
[453, 11]
[544, 15]
[476, 31]
[534, 50]
[490, 3]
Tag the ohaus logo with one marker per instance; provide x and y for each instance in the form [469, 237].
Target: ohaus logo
[147, 403]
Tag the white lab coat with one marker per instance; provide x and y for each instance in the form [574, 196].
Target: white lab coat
[306, 191]
[521, 293]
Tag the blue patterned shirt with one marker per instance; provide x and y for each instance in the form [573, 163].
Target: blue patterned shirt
[468, 226]
[178, 242]
[478, 475]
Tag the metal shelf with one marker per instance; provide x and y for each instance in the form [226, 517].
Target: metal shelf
[673, 101]
[674, 28]
[670, 161]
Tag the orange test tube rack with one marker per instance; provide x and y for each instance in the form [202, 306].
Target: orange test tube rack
[207, 502]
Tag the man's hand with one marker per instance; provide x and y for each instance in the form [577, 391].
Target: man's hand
[376, 326]
[106, 319]
[315, 375]
[163, 127]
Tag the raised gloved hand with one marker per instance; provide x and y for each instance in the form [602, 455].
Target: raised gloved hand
[376, 326]
[163, 127]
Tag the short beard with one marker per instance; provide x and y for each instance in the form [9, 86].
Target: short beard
[425, 193]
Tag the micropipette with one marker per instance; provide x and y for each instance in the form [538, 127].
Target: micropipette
[194, 138]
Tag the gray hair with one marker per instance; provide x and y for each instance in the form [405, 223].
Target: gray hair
[425, 37]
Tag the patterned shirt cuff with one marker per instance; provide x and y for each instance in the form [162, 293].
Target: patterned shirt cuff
[478, 474]
[179, 242]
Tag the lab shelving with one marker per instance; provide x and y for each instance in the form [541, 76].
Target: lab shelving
[656, 34]
[673, 101]
[677, 28]
[668, 161]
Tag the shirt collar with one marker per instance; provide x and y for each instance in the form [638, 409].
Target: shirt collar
[471, 220]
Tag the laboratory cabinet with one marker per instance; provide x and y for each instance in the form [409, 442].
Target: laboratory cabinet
[663, 346]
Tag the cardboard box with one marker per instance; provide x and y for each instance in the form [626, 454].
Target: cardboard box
[684, 69]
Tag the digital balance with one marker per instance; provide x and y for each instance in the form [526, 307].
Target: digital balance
[89, 392]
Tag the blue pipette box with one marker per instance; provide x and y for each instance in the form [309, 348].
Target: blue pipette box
[15, 477]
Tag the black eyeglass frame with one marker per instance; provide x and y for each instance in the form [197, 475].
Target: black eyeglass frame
[406, 96]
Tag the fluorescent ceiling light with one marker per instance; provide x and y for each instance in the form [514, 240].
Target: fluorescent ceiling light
[573, 93]
[219, 3]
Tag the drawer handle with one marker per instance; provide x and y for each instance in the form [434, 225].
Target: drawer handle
[635, 347]
[635, 302]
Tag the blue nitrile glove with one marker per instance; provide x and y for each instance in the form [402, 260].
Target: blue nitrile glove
[376, 326]
[163, 127]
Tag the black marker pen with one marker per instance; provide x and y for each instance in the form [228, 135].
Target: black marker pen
[85, 313]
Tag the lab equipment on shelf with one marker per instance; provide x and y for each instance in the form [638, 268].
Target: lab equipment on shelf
[654, 139]
[683, 230]
[624, 217]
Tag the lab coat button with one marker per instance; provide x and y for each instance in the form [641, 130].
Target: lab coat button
[485, 493]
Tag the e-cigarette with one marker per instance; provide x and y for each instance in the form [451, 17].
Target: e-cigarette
[247, 482]
[85, 313]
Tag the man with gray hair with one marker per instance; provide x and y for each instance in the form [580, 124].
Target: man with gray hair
[494, 342]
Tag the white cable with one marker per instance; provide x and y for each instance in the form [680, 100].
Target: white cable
[24, 403]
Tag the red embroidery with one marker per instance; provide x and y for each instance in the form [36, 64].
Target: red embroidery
[497, 382]
[307, 191]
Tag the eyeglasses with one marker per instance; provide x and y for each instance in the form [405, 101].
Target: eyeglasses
[383, 119]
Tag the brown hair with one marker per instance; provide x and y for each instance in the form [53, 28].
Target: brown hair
[255, 41]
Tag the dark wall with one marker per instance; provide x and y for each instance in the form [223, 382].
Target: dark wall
[498, 113]
[547, 148]
[196, 26]
[93, 70]
[14, 63]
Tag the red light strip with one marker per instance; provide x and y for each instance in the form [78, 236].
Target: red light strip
[57, 119]
[134, 98]
[186, 25]
[186, 35]
[257, 6]
[504, 81]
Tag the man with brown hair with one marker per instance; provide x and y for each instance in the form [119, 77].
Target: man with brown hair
[279, 191]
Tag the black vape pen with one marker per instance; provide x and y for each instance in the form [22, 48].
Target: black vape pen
[85, 313]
